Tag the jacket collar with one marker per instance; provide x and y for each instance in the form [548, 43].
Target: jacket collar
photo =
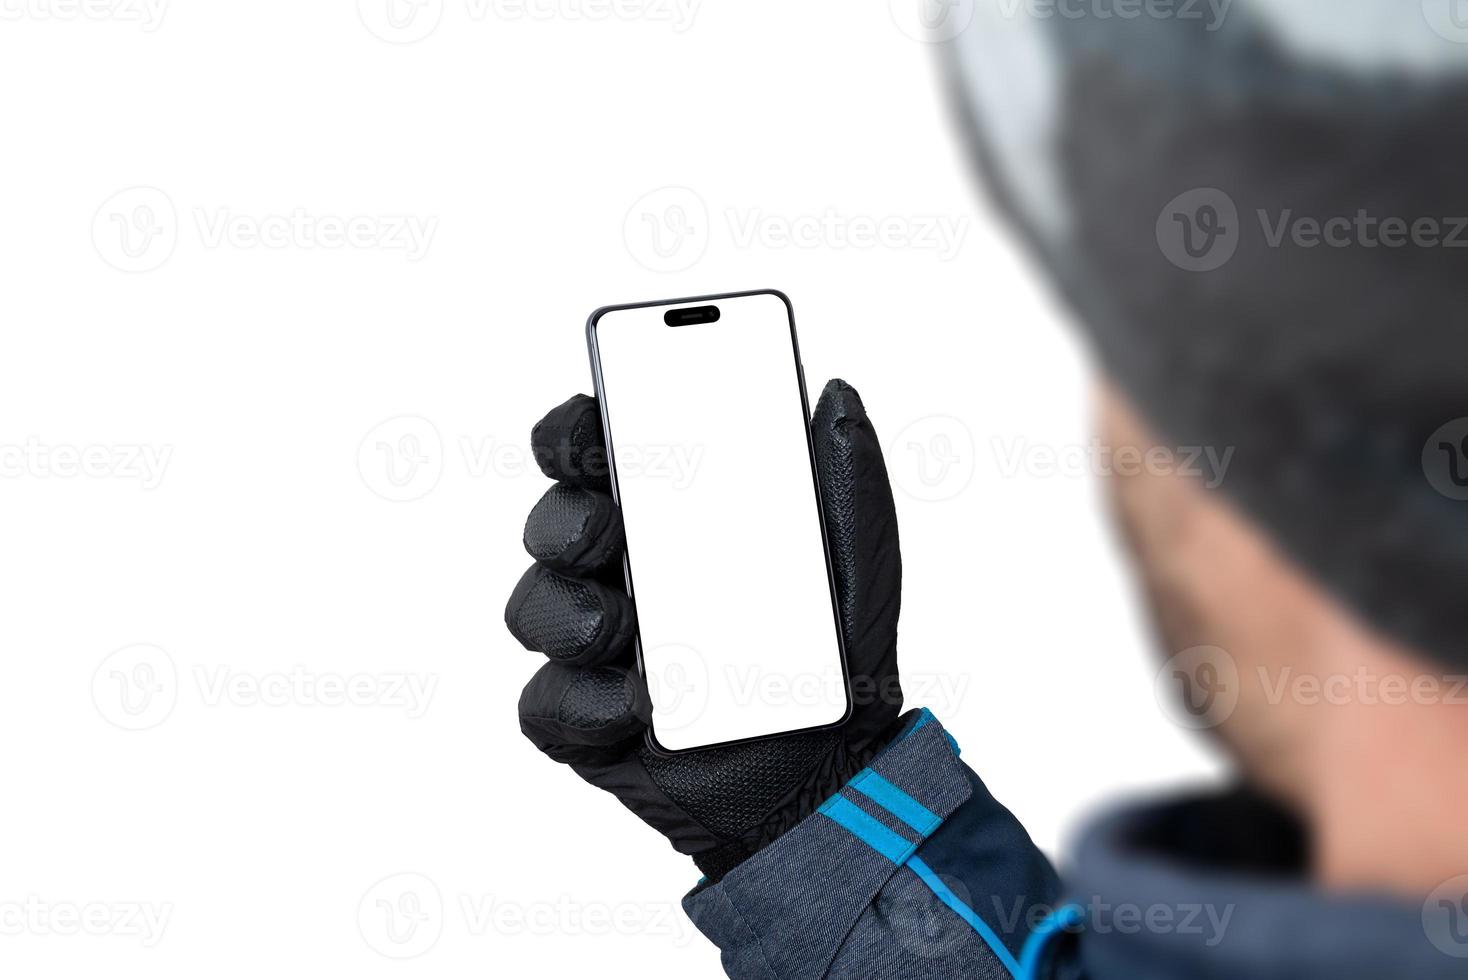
[1215, 887]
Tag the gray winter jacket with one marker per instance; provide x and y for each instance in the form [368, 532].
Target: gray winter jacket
[914, 870]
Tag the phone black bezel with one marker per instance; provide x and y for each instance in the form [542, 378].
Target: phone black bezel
[596, 379]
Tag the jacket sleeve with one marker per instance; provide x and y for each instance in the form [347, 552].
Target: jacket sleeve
[912, 870]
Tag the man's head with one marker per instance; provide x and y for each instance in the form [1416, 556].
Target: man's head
[1355, 732]
[1260, 220]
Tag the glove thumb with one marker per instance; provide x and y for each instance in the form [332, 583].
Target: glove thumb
[861, 525]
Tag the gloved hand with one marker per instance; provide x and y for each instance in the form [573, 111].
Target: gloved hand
[588, 708]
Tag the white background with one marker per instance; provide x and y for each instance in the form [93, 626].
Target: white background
[344, 430]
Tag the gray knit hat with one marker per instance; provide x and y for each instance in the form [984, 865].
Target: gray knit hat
[1259, 211]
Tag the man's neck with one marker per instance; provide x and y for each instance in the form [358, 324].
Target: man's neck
[1388, 787]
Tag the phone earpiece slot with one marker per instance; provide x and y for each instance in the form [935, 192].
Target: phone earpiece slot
[689, 315]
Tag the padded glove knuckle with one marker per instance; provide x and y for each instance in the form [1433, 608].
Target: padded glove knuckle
[597, 698]
[572, 621]
[574, 530]
[568, 443]
[566, 709]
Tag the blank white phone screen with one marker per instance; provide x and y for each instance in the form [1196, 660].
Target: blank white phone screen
[728, 567]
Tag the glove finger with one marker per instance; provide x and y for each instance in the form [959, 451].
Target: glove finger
[574, 531]
[575, 622]
[569, 446]
[861, 523]
[565, 708]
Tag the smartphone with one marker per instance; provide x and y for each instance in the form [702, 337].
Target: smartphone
[707, 425]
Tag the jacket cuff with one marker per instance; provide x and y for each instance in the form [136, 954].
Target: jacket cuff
[786, 911]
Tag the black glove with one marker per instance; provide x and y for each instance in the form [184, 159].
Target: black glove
[589, 709]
